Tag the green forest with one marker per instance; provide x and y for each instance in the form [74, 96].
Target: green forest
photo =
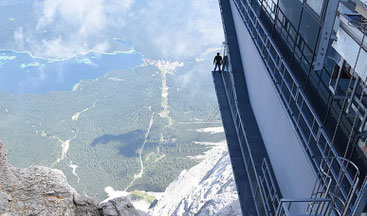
[103, 125]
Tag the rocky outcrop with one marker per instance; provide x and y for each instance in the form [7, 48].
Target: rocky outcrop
[206, 189]
[42, 191]
[118, 207]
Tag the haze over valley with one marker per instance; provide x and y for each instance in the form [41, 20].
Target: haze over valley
[116, 94]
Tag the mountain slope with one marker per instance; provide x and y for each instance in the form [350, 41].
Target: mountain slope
[206, 189]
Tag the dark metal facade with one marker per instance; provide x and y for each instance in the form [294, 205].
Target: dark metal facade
[329, 119]
[295, 29]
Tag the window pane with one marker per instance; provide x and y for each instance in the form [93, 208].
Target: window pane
[309, 29]
[316, 5]
[291, 9]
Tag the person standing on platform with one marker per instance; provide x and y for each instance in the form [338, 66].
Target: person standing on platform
[218, 61]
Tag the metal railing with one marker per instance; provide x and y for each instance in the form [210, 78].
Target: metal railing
[286, 204]
[328, 187]
[262, 183]
[357, 103]
[268, 189]
[307, 124]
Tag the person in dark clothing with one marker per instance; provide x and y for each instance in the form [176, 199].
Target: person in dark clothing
[217, 61]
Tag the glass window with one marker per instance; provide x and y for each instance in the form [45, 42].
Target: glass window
[291, 9]
[256, 6]
[316, 5]
[270, 7]
[309, 29]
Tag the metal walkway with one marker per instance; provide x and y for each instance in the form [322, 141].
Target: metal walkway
[258, 192]
[234, 148]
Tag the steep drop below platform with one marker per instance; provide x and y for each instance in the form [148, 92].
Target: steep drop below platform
[206, 189]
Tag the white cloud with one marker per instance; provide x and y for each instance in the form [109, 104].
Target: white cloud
[57, 47]
[19, 38]
[70, 25]
[66, 28]
[181, 28]
[88, 16]
[167, 28]
[101, 47]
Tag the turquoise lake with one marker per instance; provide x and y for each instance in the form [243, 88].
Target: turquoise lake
[22, 73]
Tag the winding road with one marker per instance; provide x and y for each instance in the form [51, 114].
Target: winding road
[140, 151]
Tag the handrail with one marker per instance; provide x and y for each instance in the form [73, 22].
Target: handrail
[271, 189]
[285, 204]
[305, 200]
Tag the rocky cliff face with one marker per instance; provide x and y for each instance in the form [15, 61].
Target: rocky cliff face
[43, 191]
[206, 189]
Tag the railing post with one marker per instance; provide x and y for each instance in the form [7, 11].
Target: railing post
[361, 200]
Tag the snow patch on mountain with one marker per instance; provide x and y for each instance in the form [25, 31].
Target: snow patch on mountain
[113, 194]
[211, 130]
[206, 189]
